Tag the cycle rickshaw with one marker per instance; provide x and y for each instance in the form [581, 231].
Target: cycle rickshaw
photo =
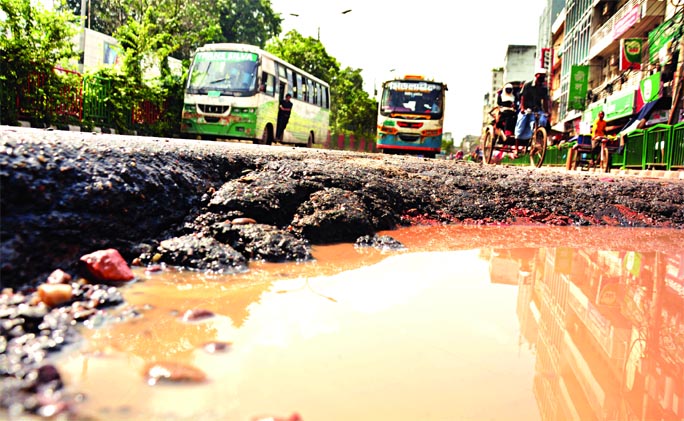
[498, 143]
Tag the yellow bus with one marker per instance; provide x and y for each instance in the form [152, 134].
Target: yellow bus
[234, 92]
[411, 116]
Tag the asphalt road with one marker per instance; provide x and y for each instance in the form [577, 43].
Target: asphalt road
[65, 194]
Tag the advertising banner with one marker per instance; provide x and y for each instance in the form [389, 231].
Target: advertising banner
[630, 53]
[110, 54]
[649, 88]
[660, 41]
[620, 104]
[579, 80]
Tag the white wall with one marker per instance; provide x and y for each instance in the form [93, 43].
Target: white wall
[519, 63]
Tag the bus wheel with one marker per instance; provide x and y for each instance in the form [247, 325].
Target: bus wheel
[266, 137]
[310, 141]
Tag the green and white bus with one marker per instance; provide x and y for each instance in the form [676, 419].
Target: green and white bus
[234, 92]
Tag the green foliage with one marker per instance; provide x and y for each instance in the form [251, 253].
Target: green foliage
[34, 42]
[447, 146]
[183, 25]
[306, 53]
[247, 21]
[353, 109]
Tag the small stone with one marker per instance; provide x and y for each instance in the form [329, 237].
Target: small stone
[196, 315]
[107, 266]
[243, 221]
[59, 277]
[55, 294]
[173, 372]
[216, 346]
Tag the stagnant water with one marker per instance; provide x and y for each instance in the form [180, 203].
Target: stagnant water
[468, 323]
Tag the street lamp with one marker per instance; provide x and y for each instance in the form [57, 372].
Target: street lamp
[318, 29]
[344, 12]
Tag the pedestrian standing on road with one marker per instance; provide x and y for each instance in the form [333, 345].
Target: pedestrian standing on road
[284, 111]
[534, 97]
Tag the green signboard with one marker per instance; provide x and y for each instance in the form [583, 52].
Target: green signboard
[660, 40]
[225, 56]
[577, 93]
[650, 88]
[619, 105]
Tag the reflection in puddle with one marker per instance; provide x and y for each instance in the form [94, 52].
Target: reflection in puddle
[470, 323]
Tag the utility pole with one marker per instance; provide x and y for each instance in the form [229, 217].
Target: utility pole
[83, 35]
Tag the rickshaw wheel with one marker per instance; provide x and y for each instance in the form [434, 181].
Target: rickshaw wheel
[488, 145]
[538, 147]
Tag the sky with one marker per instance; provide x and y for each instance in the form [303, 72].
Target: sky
[457, 42]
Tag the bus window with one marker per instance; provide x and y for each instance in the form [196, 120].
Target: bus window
[281, 71]
[298, 88]
[326, 102]
[268, 80]
[309, 91]
[291, 89]
[316, 99]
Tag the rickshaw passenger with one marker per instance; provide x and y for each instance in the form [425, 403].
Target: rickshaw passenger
[533, 97]
[506, 117]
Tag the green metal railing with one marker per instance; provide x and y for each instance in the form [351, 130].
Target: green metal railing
[656, 146]
[675, 159]
[95, 92]
[634, 149]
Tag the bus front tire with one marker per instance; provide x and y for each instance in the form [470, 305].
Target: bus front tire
[266, 137]
[310, 141]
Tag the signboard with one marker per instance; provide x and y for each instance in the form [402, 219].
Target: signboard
[110, 54]
[630, 53]
[579, 80]
[225, 56]
[619, 105]
[660, 41]
[546, 59]
[649, 88]
[626, 22]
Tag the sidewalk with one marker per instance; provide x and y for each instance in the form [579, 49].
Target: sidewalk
[660, 174]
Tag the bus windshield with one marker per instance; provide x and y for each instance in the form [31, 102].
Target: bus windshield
[412, 97]
[223, 72]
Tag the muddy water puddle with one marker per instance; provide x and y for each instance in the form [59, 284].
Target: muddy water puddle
[468, 323]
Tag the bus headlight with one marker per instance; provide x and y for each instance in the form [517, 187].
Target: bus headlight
[388, 130]
[430, 133]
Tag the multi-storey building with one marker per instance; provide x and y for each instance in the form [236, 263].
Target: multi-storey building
[554, 79]
[490, 97]
[595, 33]
[553, 9]
[519, 63]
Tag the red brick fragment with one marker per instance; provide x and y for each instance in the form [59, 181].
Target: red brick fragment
[107, 266]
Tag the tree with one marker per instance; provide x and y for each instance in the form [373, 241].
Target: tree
[354, 110]
[186, 24]
[34, 41]
[306, 53]
[247, 21]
